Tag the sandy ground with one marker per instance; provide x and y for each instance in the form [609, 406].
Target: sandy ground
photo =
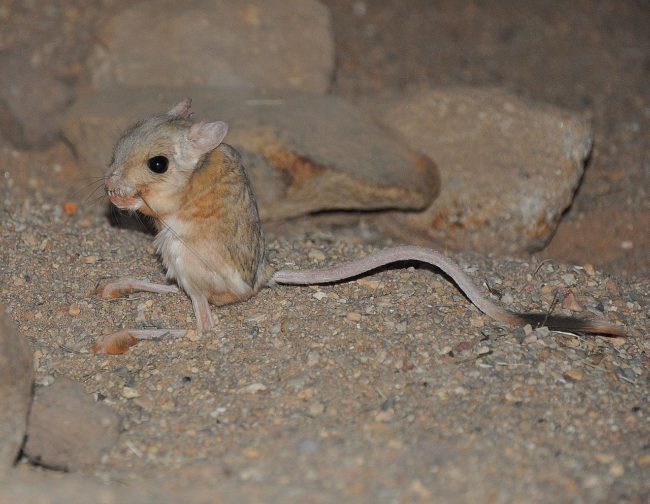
[387, 387]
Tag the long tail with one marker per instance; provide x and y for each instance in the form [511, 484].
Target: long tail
[465, 284]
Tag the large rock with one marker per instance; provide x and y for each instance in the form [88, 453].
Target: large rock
[44, 174]
[68, 429]
[509, 168]
[47, 487]
[304, 153]
[16, 376]
[270, 44]
[32, 102]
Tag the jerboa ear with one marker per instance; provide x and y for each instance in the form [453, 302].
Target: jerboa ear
[205, 137]
[182, 110]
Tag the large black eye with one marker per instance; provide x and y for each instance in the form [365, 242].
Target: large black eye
[158, 164]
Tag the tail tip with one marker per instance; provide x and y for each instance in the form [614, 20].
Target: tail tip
[571, 324]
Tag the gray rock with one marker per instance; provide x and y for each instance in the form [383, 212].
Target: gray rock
[200, 485]
[46, 487]
[509, 168]
[67, 428]
[32, 102]
[240, 43]
[16, 377]
[304, 153]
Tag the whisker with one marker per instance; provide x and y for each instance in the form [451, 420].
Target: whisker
[93, 193]
[140, 220]
[99, 183]
[96, 199]
[114, 213]
[91, 178]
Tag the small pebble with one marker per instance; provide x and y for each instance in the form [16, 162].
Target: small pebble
[192, 335]
[256, 317]
[477, 322]
[417, 487]
[45, 381]
[307, 447]
[612, 287]
[444, 350]
[616, 469]
[574, 375]
[217, 411]
[571, 303]
[30, 240]
[70, 208]
[462, 346]
[312, 359]
[316, 409]
[253, 388]
[74, 310]
[354, 316]
[625, 373]
[306, 394]
[130, 393]
[530, 339]
[542, 332]
[604, 458]
[250, 474]
[617, 342]
[511, 398]
[572, 342]
[569, 279]
[369, 282]
[251, 453]
[385, 416]
[316, 255]
[320, 295]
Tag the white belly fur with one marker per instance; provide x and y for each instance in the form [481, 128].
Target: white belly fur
[194, 274]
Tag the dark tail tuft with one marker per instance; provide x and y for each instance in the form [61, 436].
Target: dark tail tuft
[570, 324]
